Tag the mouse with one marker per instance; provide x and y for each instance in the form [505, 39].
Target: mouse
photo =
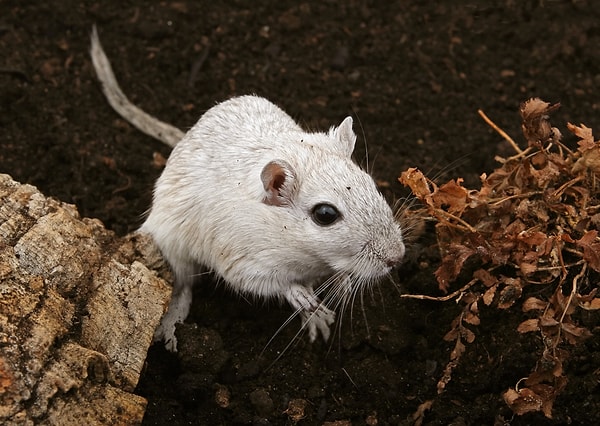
[273, 210]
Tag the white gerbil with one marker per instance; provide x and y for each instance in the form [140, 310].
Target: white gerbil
[273, 210]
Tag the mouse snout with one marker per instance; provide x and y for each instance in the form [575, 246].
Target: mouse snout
[395, 258]
[394, 261]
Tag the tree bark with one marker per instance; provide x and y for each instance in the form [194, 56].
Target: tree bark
[78, 309]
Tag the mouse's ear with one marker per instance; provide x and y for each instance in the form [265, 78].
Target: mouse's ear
[345, 136]
[278, 178]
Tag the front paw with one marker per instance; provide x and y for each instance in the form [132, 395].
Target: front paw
[318, 321]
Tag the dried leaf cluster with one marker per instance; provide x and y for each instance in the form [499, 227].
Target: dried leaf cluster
[532, 228]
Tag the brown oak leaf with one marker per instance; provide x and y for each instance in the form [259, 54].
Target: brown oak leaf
[584, 133]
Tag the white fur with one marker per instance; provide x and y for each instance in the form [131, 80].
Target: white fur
[237, 196]
[209, 210]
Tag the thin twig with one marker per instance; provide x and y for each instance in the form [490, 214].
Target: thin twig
[554, 268]
[442, 298]
[512, 197]
[563, 146]
[500, 131]
[448, 215]
[566, 185]
[521, 154]
[573, 291]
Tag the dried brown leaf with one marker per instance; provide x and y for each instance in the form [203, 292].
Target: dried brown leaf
[534, 304]
[590, 160]
[584, 133]
[418, 184]
[588, 238]
[552, 369]
[451, 197]
[591, 249]
[446, 377]
[547, 321]
[561, 302]
[296, 409]
[587, 297]
[591, 305]
[488, 296]
[515, 228]
[523, 401]
[528, 268]
[547, 394]
[528, 326]
[536, 124]
[539, 393]
[532, 238]
[452, 264]
[467, 334]
[471, 318]
[459, 349]
[595, 219]
[548, 391]
[470, 299]
[451, 335]
[510, 293]
[419, 416]
[575, 334]
[485, 277]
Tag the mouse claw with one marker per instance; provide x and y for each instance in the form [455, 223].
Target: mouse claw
[316, 317]
[318, 321]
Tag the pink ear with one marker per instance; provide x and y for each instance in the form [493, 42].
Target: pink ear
[278, 180]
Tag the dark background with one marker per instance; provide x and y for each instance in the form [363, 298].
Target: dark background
[412, 74]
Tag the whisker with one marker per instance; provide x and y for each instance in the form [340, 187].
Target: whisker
[364, 313]
[343, 307]
[374, 160]
[336, 298]
[351, 300]
[200, 274]
[349, 378]
[295, 339]
[403, 203]
[342, 293]
[447, 168]
[323, 288]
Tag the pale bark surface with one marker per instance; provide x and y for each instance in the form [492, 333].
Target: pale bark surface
[78, 309]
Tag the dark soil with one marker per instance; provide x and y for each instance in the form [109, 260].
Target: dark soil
[413, 74]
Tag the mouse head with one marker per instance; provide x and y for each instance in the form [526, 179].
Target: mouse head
[335, 211]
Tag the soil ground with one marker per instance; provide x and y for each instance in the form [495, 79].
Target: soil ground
[412, 74]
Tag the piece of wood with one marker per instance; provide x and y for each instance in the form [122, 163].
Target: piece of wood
[78, 309]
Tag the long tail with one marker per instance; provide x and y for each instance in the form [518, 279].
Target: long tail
[144, 122]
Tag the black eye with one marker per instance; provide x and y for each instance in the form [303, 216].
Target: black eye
[325, 214]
